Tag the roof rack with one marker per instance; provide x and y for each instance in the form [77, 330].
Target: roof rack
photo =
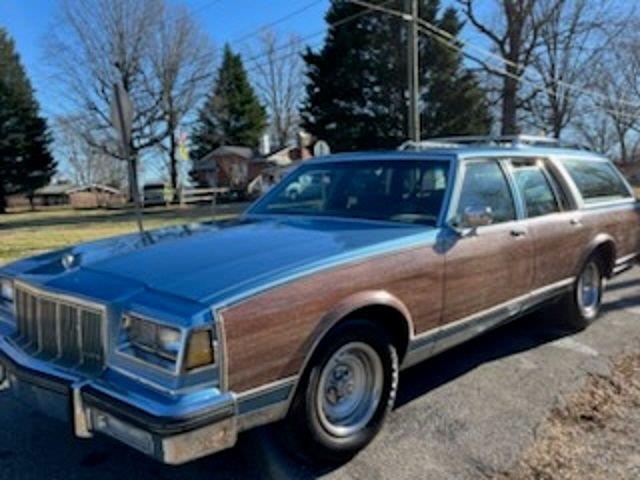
[488, 140]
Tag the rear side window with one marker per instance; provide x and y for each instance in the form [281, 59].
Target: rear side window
[535, 189]
[597, 180]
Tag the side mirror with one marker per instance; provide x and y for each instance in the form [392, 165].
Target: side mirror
[473, 217]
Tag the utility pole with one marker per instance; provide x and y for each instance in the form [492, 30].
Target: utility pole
[413, 69]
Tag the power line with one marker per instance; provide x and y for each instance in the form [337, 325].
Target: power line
[335, 24]
[254, 62]
[518, 78]
[278, 21]
[520, 67]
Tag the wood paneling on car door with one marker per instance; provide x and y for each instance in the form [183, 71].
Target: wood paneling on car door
[487, 269]
[559, 240]
[269, 335]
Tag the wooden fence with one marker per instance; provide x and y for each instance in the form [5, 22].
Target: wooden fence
[201, 195]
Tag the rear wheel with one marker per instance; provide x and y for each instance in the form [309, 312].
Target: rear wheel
[582, 307]
[345, 395]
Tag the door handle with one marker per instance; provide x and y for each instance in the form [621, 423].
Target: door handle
[518, 232]
[576, 222]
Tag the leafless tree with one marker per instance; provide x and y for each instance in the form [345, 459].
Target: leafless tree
[98, 43]
[182, 59]
[595, 131]
[515, 40]
[279, 79]
[617, 82]
[86, 164]
[572, 42]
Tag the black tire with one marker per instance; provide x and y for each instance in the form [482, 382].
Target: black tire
[575, 314]
[306, 433]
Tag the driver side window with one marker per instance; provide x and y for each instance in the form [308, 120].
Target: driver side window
[485, 187]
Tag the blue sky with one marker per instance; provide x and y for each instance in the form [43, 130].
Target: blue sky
[225, 20]
[28, 22]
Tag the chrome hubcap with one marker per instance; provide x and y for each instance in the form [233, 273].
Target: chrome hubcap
[350, 389]
[589, 289]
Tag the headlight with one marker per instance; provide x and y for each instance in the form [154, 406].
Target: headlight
[161, 345]
[150, 341]
[7, 292]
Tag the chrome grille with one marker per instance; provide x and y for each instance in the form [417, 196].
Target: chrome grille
[66, 333]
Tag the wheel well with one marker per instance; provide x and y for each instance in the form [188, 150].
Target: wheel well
[392, 320]
[606, 252]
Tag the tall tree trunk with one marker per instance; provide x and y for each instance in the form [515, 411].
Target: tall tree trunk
[510, 106]
[3, 202]
[173, 161]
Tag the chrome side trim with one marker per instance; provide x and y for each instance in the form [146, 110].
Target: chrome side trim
[404, 244]
[421, 347]
[221, 352]
[625, 263]
[627, 258]
[435, 341]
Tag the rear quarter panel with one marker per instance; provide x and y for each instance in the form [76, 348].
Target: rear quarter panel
[621, 222]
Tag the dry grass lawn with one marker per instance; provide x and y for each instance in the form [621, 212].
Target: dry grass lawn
[24, 234]
[595, 435]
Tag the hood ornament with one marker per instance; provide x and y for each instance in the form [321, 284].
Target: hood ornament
[68, 260]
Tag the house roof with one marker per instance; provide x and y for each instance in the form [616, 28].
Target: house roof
[244, 152]
[57, 189]
[95, 186]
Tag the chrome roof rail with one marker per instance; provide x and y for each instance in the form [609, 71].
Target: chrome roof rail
[488, 140]
[426, 144]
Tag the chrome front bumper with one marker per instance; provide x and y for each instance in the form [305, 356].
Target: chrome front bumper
[170, 437]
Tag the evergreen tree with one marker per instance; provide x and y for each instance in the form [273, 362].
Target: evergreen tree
[357, 91]
[25, 161]
[232, 114]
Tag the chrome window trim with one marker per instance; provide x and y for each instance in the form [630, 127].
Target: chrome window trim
[457, 187]
[424, 157]
[550, 181]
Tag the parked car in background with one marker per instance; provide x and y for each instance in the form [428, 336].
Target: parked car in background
[155, 194]
[306, 307]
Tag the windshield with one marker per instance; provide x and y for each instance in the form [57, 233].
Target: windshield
[405, 191]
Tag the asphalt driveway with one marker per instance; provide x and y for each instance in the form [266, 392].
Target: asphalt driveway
[466, 414]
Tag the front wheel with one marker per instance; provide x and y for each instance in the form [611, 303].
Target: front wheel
[582, 307]
[345, 395]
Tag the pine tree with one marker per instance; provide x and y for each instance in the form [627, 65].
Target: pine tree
[357, 90]
[232, 114]
[25, 161]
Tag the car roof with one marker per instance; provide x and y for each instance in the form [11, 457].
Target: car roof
[458, 153]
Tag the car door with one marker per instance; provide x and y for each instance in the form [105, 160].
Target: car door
[556, 228]
[493, 264]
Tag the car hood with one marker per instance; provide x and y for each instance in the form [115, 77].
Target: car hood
[212, 262]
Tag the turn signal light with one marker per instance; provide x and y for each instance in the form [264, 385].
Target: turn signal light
[200, 350]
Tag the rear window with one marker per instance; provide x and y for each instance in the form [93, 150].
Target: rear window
[597, 180]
